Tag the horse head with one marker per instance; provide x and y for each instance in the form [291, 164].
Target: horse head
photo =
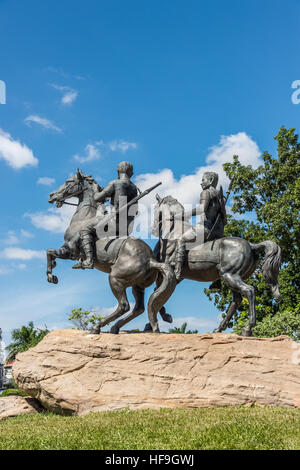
[166, 208]
[74, 186]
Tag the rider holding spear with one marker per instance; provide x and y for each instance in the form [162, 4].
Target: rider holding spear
[123, 195]
[212, 218]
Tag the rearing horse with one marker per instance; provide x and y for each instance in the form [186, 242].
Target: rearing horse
[129, 261]
[232, 259]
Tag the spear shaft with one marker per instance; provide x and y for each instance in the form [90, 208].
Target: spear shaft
[133, 201]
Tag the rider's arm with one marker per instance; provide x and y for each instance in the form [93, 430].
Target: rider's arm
[105, 193]
[200, 209]
[204, 203]
[187, 215]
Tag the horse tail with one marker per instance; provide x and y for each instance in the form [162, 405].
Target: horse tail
[270, 265]
[162, 294]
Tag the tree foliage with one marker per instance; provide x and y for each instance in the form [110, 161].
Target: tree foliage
[13, 392]
[269, 196]
[84, 319]
[182, 329]
[24, 338]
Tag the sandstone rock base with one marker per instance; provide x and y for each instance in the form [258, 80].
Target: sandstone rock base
[15, 405]
[72, 371]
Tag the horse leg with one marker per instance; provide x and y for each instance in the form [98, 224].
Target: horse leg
[119, 292]
[164, 315]
[235, 282]
[62, 253]
[52, 254]
[236, 301]
[162, 294]
[139, 308]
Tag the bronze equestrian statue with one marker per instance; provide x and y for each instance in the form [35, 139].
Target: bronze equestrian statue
[199, 253]
[212, 219]
[129, 261]
[231, 259]
[119, 191]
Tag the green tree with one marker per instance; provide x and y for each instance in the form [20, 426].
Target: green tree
[182, 329]
[270, 197]
[24, 338]
[84, 319]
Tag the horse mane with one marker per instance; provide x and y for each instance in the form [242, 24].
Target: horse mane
[91, 181]
[169, 200]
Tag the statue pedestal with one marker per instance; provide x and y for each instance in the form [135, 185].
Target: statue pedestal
[74, 372]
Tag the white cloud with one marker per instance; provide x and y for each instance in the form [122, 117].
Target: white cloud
[54, 220]
[17, 155]
[26, 234]
[91, 153]
[4, 270]
[11, 239]
[46, 123]
[194, 323]
[21, 266]
[121, 145]
[46, 181]
[22, 304]
[105, 311]
[10, 269]
[69, 95]
[187, 188]
[62, 73]
[21, 253]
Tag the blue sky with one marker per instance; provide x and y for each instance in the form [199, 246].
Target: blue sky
[173, 86]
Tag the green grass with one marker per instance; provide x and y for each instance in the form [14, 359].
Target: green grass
[13, 391]
[202, 428]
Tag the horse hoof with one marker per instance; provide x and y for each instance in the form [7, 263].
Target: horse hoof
[95, 330]
[148, 328]
[246, 332]
[155, 330]
[52, 279]
[168, 318]
[217, 330]
[114, 330]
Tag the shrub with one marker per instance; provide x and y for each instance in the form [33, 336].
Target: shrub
[13, 391]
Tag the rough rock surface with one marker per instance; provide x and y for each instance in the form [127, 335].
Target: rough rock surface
[73, 371]
[15, 405]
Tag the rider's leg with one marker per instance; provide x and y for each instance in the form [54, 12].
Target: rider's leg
[179, 257]
[219, 233]
[87, 244]
[188, 236]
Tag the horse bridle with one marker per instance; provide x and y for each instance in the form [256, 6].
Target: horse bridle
[76, 205]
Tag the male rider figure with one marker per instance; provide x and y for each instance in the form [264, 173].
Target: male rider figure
[120, 191]
[211, 223]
